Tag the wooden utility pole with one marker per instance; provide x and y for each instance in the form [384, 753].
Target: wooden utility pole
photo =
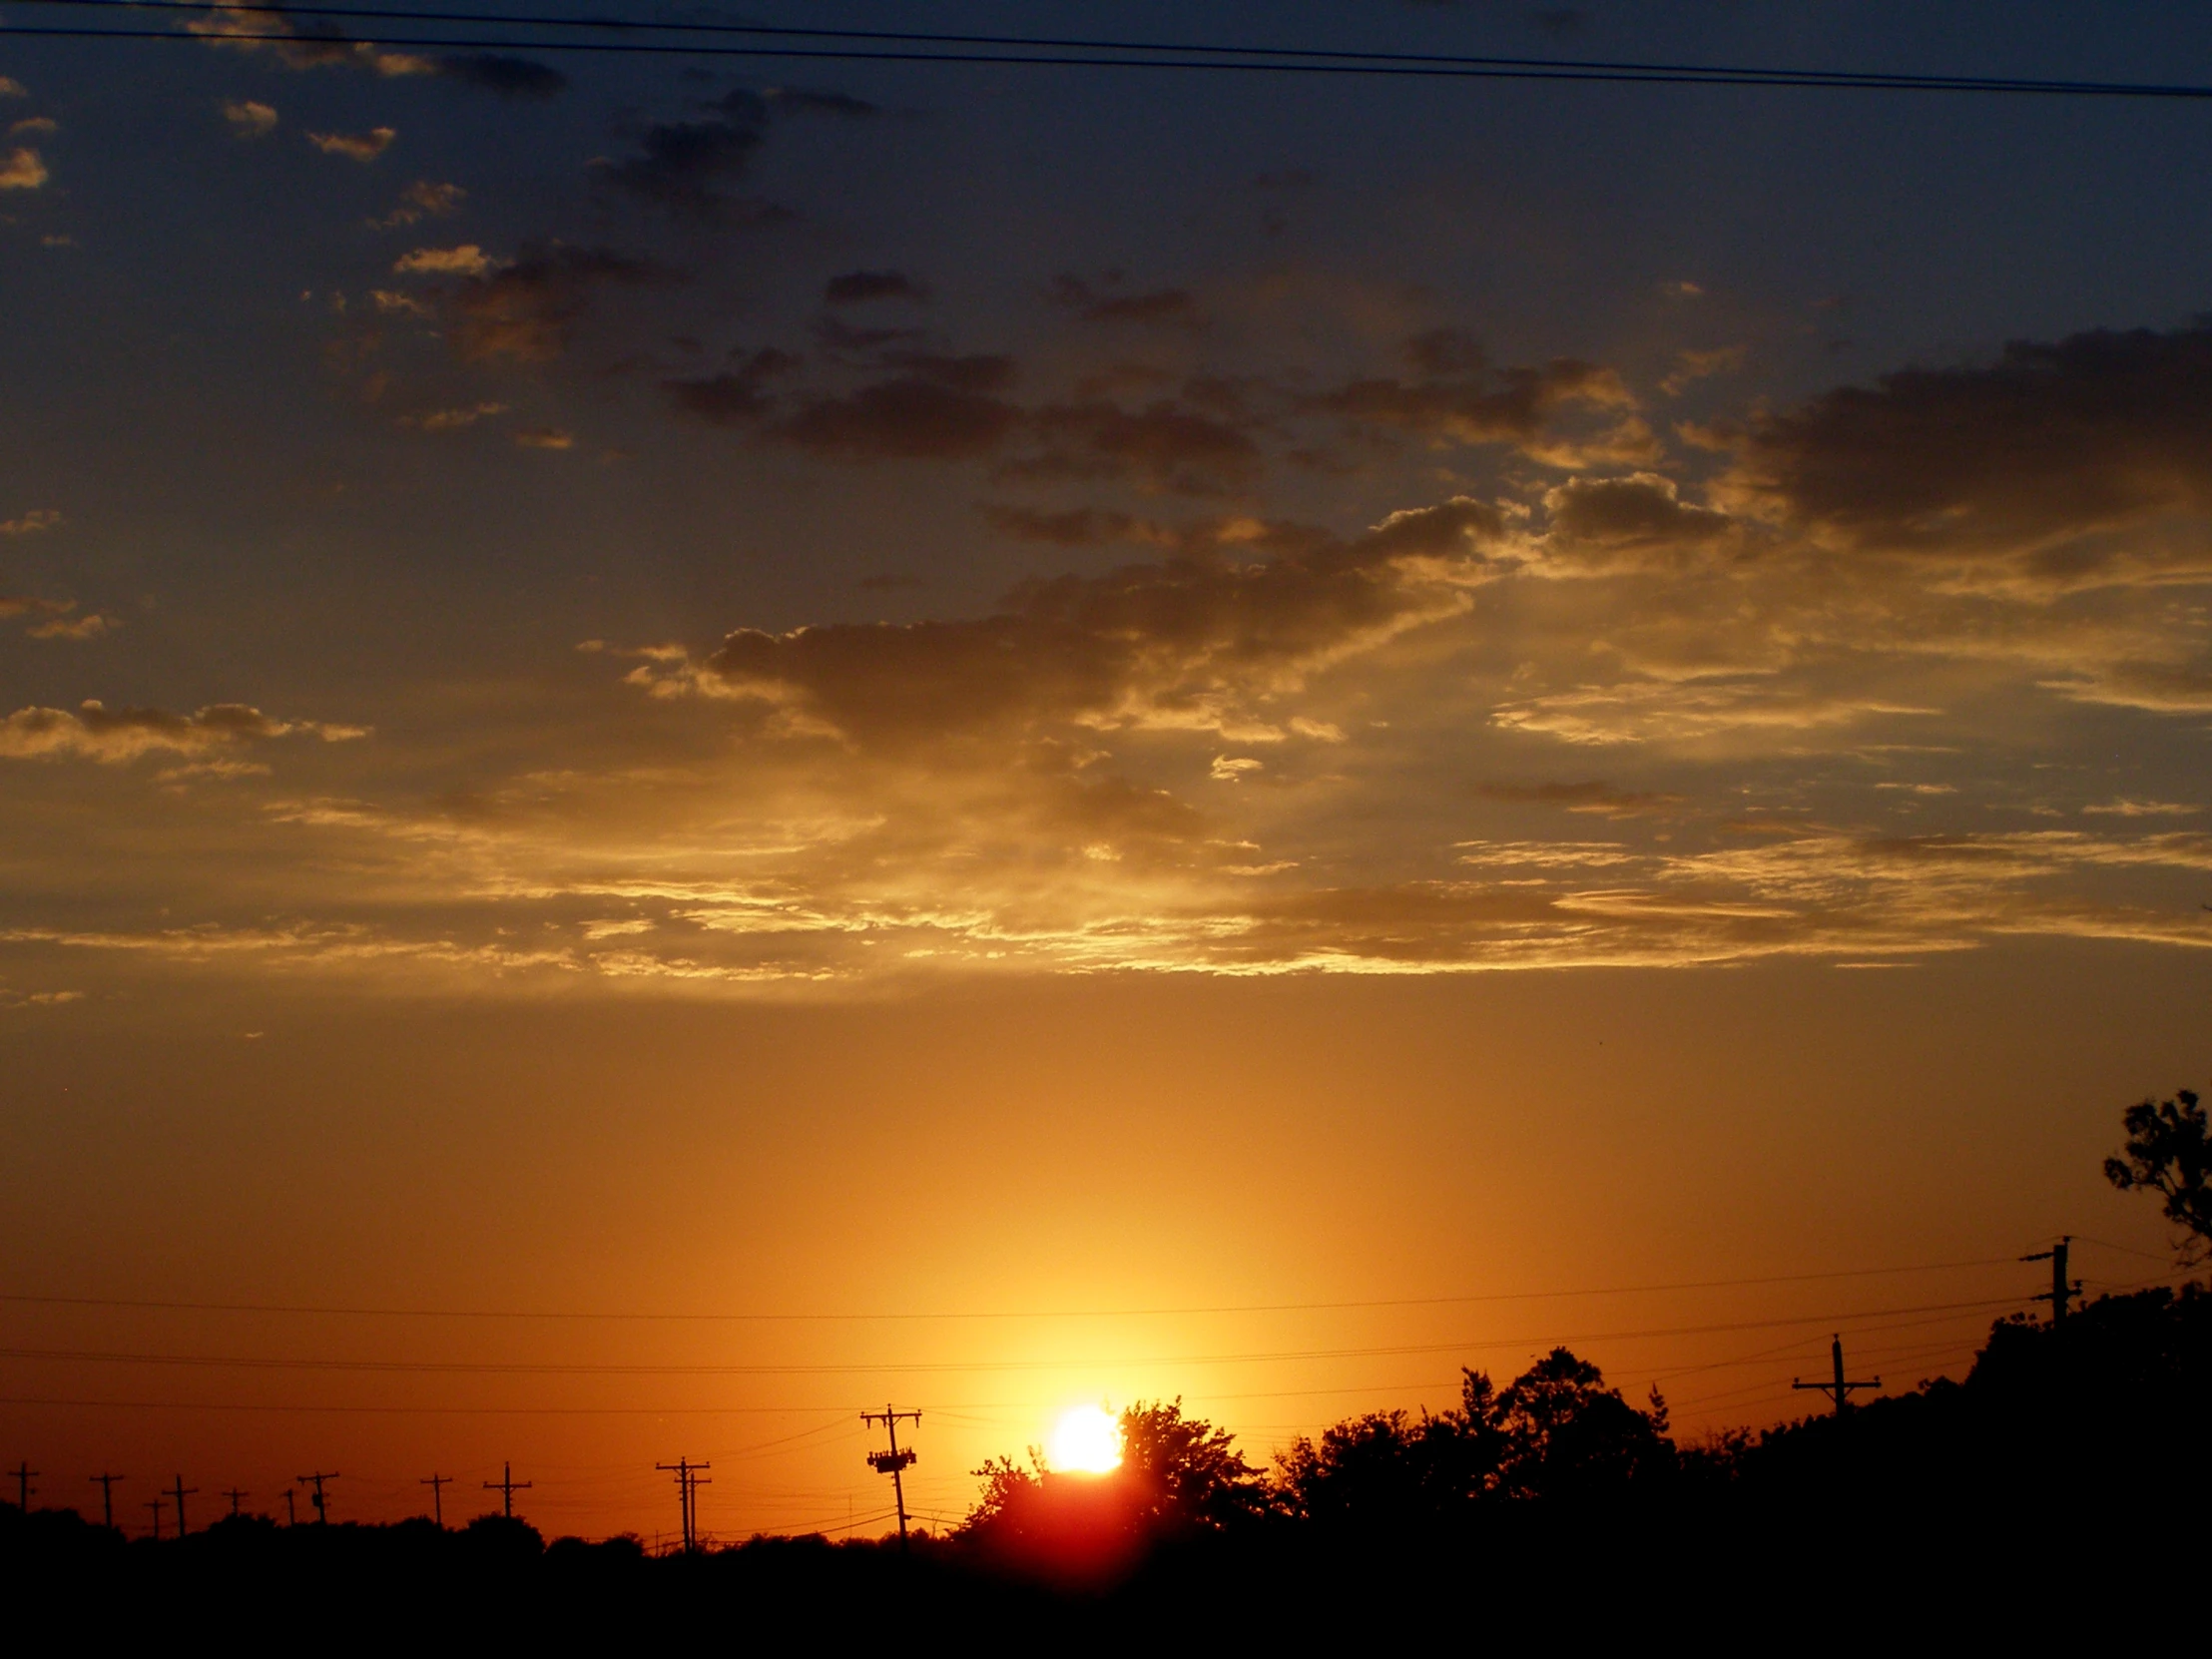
[687, 1481]
[1839, 1390]
[437, 1483]
[23, 1473]
[291, 1504]
[322, 1509]
[506, 1486]
[234, 1495]
[154, 1504]
[894, 1461]
[181, 1492]
[107, 1498]
[2060, 1291]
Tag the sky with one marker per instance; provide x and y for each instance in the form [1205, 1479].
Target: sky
[690, 742]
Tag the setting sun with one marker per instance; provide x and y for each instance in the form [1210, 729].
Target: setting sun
[1086, 1440]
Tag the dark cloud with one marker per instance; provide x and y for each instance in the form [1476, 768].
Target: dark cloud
[1195, 642]
[734, 396]
[1094, 305]
[802, 101]
[2096, 433]
[526, 310]
[684, 165]
[1454, 397]
[856, 287]
[1635, 520]
[510, 77]
[1162, 446]
[320, 44]
[1596, 799]
[913, 418]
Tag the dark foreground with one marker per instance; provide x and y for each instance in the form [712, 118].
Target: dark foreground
[2065, 1485]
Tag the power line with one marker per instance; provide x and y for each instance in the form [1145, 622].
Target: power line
[504, 1368]
[278, 10]
[1047, 52]
[338, 1311]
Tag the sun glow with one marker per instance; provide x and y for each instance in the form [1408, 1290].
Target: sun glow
[1086, 1440]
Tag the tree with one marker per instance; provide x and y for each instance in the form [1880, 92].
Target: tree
[2167, 1152]
[1186, 1472]
[1390, 1471]
[1567, 1436]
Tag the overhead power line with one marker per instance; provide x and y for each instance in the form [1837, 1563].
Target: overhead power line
[504, 1368]
[338, 1311]
[879, 46]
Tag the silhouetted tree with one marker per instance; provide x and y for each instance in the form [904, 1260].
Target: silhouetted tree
[1388, 1472]
[1186, 1472]
[1567, 1436]
[2167, 1152]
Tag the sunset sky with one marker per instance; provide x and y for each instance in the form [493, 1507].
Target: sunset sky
[689, 743]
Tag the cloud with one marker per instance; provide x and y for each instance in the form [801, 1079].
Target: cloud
[359, 147]
[1456, 398]
[803, 101]
[908, 418]
[90, 626]
[422, 200]
[736, 396]
[31, 523]
[1199, 644]
[1639, 521]
[21, 168]
[510, 77]
[860, 287]
[1091, 304]
[468, 260]
[39, 124]
[452, 421]
[684, 165]
[10, 87]
[527, 311]
[249, 119]
[111, 735]
[1692, 366]
[1164, 446]
[545, 437]
[2126, 807]
[1598, 799]
[2047, 445]
[323, 45]
[2154, 687]
[55, 619]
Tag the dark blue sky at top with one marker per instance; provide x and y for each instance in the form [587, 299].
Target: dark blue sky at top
[166, 363]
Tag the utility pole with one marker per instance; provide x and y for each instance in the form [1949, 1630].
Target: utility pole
[154, 1504]
[1839, 1390]
[292, 1506]
[437, 1483]
[506, 1486]
[688, 1482]
[894, 1461]
[322, 1509]
[23, 1473]
[107, 1498]
[181, 1492]
[234, 1495]
[2060, 1291]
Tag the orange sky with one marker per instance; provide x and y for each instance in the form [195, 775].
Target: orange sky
[1020, 1158]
